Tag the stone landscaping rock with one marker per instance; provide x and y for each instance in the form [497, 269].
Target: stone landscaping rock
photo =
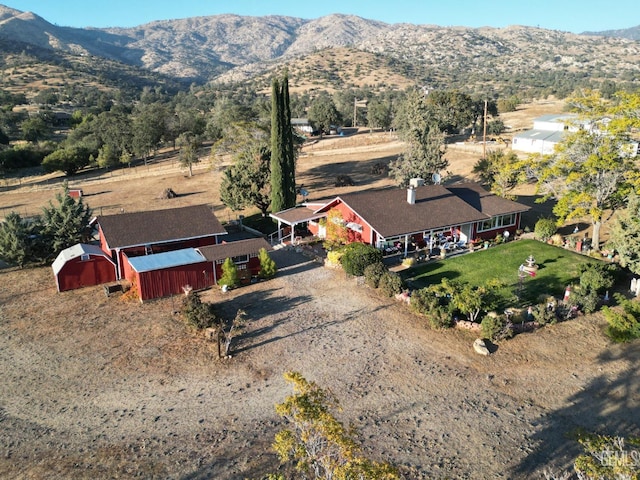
[480, 346]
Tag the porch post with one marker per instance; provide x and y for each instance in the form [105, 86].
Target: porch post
[279, 231]
[406, 245]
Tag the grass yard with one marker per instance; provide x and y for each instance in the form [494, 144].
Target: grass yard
[557, 268]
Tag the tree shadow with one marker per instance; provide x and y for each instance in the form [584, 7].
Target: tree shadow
[6, 209]
[323, 177]
[95, 194]
[260, 303]
[536, 210]
[266, 461]
[260, 333]
[606, 405]
[429, 274]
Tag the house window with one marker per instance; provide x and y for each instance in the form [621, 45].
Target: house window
[85, 257]
[497, 222]
[356, 227]
[148, 250]
[240, 259]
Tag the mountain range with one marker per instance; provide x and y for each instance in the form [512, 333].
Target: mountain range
[232, 47]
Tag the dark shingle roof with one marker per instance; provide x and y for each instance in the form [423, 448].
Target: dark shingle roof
[159, 226]
[436, 206]
[222, 251]
[485, 201]
[297, 215]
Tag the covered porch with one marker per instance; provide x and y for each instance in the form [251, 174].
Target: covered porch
[427, 242]
[294, 224]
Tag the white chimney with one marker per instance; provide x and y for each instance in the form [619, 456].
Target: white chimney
[411, 195]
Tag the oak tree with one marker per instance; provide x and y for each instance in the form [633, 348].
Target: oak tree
[247, 181]
[591, 169]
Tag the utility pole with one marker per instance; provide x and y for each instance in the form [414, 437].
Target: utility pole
[358, 103]
[355, 111]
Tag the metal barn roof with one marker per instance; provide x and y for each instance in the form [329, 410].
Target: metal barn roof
[159, 261]
[76, 251]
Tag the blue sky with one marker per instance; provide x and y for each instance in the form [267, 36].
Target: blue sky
[567, 15]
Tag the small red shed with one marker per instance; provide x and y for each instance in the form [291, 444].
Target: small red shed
[83, 265]
[165, 274]
[75, 192]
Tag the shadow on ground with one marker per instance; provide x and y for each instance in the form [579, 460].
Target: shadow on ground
[607, 405]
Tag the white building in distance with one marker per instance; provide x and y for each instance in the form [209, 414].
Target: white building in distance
[547, 131]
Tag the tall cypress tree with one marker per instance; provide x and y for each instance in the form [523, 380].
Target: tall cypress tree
[278, 175]
[283, 167]
[289, 153]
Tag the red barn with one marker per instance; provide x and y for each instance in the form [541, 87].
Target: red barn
[146, 233]
[165, 274]
[83, 266]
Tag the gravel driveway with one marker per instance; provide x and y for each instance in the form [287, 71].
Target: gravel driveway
[102, 388]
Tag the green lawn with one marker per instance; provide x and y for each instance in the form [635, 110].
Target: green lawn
[557, 268]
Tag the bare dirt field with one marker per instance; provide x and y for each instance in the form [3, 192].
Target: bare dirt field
[97, 387]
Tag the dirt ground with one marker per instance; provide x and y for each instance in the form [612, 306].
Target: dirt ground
[97, 387]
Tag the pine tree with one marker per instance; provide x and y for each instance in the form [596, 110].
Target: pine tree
[15, 243]
[64, 224]
[268, 267]
[229, 275]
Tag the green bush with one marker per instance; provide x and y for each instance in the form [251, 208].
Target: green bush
[197, 314]
[545, 228]
[545, 315]
[588, 301]
[425, 302]
[373, 272]
[440, 318]
[597, 276]
[391, 284]
[623, 325]
[357, 256]
[495, 327]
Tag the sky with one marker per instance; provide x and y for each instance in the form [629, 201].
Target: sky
[567, 15]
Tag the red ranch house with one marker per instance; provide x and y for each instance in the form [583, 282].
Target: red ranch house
[145, 233]
[421, 215]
